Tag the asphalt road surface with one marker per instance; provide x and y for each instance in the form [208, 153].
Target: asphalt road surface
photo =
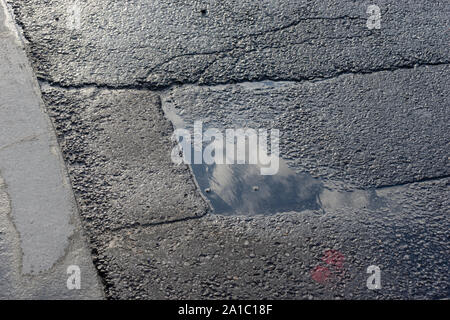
[365, 111]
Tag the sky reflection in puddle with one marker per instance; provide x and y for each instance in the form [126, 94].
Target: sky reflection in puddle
[241, 189]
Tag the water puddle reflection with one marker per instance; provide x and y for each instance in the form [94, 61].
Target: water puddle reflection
[241, 189]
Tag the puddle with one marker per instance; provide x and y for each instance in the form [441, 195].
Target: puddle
[242, 189]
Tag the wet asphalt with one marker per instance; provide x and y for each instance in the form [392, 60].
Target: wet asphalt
[365, 112]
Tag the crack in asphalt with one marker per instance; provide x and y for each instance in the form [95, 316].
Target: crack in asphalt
[429, 179]
[143, 86]
[154, 224]
[251, 35]
[137, 225]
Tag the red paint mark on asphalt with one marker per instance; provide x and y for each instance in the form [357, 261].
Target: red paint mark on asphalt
[335, 264]
[320, 274]
[334, 258]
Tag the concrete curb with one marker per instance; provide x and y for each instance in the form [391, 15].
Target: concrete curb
[40, 230]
